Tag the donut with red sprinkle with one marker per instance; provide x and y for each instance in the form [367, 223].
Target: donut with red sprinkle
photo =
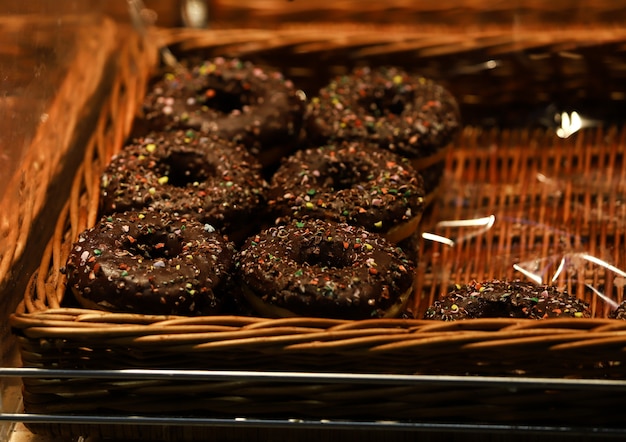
[392, 109]
[151, 263]
[506, 299]
[349, 182]
[190, 174]
[232, 99]
[324, 269]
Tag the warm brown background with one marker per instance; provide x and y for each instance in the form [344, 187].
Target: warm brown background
[18, 81]
[271, 13]
[167, 10]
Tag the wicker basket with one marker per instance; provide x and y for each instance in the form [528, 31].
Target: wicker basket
[552, 211]
[47, 111]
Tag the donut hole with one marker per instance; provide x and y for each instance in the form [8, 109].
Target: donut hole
[154, 245]
[185, 168]
[324, 254]
[227, 97]
[344, 175]
[380, 104]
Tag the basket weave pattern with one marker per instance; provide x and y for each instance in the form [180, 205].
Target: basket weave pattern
[44, 155]
[548, 202]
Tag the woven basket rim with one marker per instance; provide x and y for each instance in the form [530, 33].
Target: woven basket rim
[52, 335]
[318, 37]
[41, 318]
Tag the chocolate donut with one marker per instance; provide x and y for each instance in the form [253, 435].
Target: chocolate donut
[619, 312]
[391, 109]
[324, 269]
[190, 174]
[352, 183]
[149, 263]
[501, 299]
[233, 99]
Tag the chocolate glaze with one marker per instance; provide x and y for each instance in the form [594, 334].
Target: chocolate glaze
[502, 299]
[325, 269]
[190, 174]
[619, 312]
[151, 263]
[387, 107]
[233, 99]
[352, 183]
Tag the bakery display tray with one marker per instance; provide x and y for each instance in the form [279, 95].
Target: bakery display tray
[569, 395]
[520, 201]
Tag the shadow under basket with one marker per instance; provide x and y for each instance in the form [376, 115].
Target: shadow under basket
[516, 203]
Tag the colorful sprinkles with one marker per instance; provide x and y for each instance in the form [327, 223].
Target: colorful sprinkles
[153, 263]
[351, 183]
[506, 299]
[386, 107]
[229, 98]
[313, 268]
[184, 172]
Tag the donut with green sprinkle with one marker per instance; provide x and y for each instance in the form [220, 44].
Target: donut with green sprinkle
[190, 174]
[324, 269]
[352, 183]
[151, 263]
[619, 312]
[389, 108]
[506, 299]
[232, 99]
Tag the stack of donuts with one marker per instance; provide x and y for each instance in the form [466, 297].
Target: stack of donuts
[238, 195]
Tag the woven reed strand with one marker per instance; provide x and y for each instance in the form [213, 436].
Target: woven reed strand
[543, 191]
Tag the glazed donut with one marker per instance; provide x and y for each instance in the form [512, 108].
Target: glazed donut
[619, 312]
[324, 269]
[389, 108]
[190, 174]
[149, 263]
[352, 183]
[233, 99]
[501, 299]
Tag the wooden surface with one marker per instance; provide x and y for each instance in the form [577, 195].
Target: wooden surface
[22, 434]
[271, 13]
[57, 74]
[458, 13]
[46, 110]
[167, 11]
